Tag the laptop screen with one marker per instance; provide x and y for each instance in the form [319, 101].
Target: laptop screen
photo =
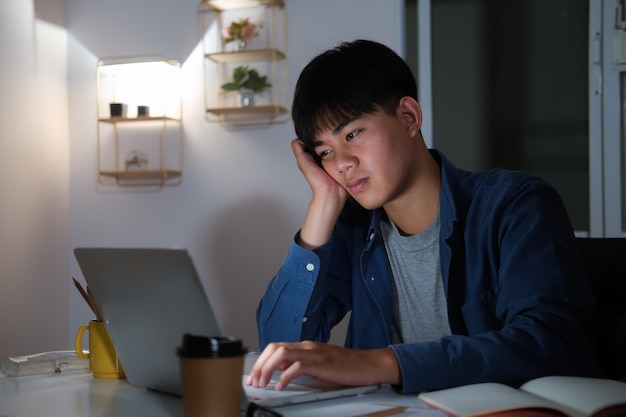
[148, 299]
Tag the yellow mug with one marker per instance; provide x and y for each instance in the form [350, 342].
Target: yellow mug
[103, 360]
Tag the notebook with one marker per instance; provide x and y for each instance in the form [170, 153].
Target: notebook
[149, 298]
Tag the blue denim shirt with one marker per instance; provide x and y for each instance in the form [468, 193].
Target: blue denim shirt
[519, 305]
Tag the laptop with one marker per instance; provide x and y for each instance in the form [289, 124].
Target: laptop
[149, 298]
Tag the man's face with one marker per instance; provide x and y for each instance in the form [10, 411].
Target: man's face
[372, 157]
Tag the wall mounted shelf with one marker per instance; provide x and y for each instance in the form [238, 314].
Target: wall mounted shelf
[261, 111]
[137, 149]
[264, 53]
[137, 119]
[142, 177]
[267, 54]
[221, 5]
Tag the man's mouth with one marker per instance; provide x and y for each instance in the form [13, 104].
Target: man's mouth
[357, 185]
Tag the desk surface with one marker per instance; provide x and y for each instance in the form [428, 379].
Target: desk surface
[79, 394]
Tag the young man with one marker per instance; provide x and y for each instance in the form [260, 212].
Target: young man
[450, 277]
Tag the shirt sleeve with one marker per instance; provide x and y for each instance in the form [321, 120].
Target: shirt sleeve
[282, 310]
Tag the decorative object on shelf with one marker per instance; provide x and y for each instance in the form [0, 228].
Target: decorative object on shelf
[246, 96]
[240, 32]
[248, 82]
[118, 109]
[143, 111]
[136, 160]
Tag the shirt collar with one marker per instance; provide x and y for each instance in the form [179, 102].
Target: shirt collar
[450, 176]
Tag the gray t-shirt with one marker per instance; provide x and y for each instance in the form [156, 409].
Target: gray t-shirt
[420, 308]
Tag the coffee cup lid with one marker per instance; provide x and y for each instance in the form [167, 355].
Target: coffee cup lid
[194, 346]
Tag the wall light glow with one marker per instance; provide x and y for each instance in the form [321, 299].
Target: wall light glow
[134, 85]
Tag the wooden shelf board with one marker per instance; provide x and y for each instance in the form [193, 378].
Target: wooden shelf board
[220, 5]
[120, 119]
[268, 54]
[142, 175]
[253, 111]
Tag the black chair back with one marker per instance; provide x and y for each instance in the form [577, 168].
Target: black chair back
[604, 261]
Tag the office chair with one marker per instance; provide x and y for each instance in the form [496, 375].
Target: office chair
[604, 261]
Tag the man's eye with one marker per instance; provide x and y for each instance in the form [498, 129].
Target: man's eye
[323, 154]
[352, 135]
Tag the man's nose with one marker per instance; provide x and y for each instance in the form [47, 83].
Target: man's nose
[345, 161]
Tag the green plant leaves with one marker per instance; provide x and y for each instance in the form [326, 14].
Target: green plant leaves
[244, 77]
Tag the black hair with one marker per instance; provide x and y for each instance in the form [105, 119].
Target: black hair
[345, 82]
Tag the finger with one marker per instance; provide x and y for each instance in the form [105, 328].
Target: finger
[257, 368]
[297, 144]
[294, 370]
[274, 357]
[292, 359]
[282, 357]
[298, 147]
[302, 153]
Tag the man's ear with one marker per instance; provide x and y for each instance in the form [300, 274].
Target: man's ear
[411, 114]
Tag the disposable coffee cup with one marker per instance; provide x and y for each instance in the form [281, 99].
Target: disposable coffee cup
[211, 372]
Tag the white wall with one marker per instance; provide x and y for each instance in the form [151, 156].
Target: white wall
[34, 167]
[241, 199]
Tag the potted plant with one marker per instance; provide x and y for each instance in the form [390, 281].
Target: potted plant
[241, 32]
[248, 82]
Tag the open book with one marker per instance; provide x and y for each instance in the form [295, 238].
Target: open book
[546, 396]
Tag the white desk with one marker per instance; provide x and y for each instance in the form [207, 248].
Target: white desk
[79, 394]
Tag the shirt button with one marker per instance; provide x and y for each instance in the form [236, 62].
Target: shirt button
[372, 278]
[310, 267]
[372, 236]
[304, 319]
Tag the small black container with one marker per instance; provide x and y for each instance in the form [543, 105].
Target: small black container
[118, 109]
[143, 111]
